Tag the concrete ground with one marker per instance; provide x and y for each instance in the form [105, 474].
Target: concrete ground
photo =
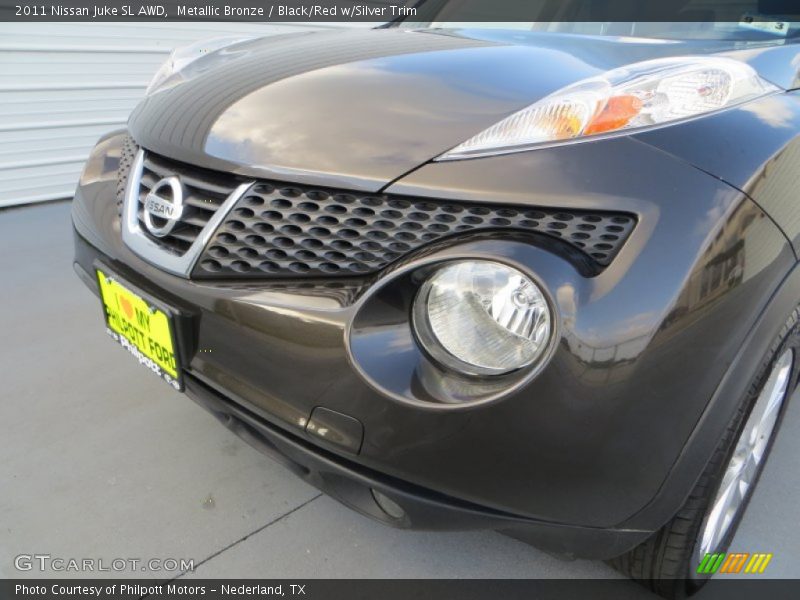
[100, 459]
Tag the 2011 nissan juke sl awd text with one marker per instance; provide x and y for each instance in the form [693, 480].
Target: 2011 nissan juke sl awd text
[540, 279]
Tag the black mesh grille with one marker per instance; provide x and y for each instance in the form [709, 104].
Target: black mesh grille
[203, 194]
[127, 155]
[281, 230]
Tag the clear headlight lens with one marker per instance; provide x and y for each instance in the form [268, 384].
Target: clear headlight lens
[642, 95]
[168, 73]
[482, 318]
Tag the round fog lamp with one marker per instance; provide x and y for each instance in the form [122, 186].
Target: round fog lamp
[482, 318]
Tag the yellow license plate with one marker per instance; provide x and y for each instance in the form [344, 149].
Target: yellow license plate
[142, 328]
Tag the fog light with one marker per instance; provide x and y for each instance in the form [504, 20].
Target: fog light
[389, 506]
[482, 318]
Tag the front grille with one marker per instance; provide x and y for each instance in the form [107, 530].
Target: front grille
[203, 194]
[282, 230]
[126, 157]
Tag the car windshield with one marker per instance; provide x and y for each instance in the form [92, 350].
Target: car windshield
[746, 20]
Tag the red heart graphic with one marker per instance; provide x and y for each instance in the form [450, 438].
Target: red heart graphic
[126, 306]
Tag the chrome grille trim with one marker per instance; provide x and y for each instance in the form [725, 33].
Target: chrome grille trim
[140, 242]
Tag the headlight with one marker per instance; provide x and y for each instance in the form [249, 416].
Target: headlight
[482, 318]
[642, 95]
[168, 73]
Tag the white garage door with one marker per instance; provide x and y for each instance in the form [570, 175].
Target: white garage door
[62, 85]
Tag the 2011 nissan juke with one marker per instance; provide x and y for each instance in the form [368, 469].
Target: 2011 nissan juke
[540, 277]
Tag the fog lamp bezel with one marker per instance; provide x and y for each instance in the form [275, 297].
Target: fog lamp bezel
[384, 351]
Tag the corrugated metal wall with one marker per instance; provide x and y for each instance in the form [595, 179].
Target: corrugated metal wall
[62, 85]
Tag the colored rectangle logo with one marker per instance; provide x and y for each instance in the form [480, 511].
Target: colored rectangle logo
[734, 563]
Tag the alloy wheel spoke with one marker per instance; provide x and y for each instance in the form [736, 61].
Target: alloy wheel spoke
[748, 473]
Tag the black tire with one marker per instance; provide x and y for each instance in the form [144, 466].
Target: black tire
[664, 562]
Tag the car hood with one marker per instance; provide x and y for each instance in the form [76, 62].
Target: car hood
[361, 108]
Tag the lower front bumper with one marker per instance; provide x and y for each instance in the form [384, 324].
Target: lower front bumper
[354, 486]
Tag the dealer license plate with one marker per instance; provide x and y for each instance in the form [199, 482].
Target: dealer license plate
[141, 326]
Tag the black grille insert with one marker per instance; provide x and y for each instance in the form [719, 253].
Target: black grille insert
[284, 230]
[126, 158]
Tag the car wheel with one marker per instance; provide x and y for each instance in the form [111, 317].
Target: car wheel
[667, 563]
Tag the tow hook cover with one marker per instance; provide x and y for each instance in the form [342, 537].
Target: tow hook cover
[339, 430]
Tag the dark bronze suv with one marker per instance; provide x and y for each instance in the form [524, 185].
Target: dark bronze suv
[537, 280]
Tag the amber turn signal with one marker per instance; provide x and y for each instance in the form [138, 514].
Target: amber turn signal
[618, 112]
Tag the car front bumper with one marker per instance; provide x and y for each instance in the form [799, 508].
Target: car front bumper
[581, 460]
